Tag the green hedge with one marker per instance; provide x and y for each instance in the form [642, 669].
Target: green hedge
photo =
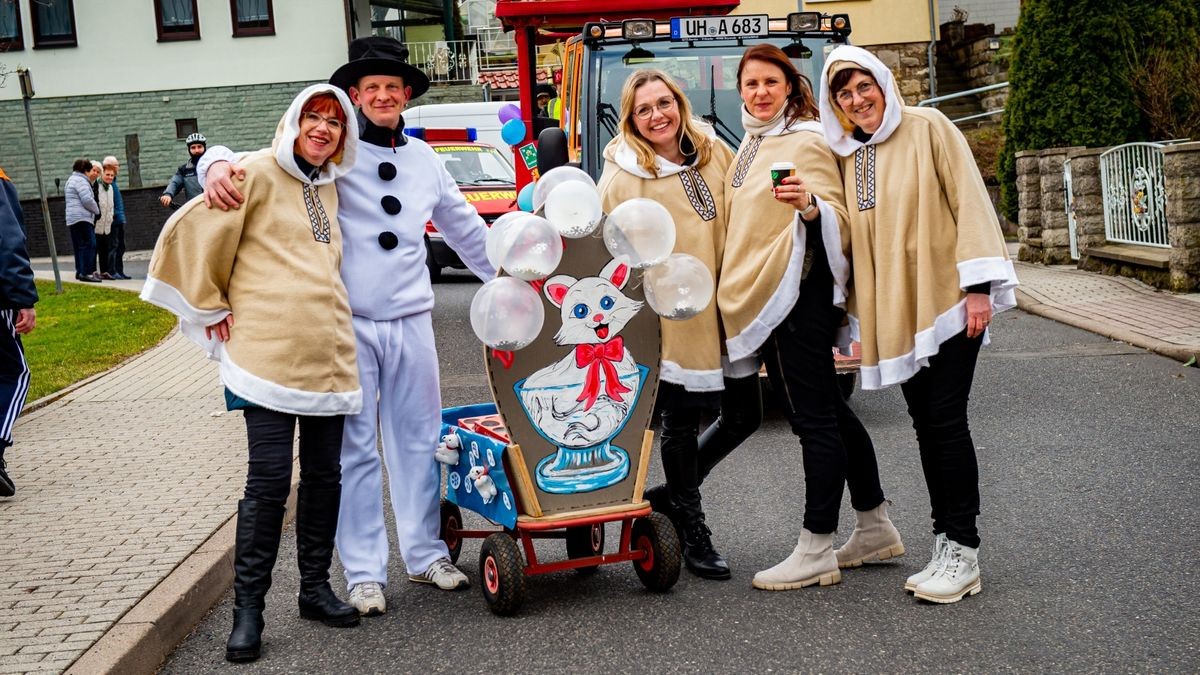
[1074, 74]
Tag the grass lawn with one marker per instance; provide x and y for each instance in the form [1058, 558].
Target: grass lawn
[86, 330]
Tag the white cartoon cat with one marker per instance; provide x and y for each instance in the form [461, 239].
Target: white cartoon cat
[583, 399]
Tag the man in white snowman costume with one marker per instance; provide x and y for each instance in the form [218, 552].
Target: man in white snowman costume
[395, 187]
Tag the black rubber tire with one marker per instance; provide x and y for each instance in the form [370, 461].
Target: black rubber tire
[502, 574]
[435, 270]
[451, 521]
[585, 541]
[846, 383]
[655, 534]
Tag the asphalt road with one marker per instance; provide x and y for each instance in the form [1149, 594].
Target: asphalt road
[1088, 461]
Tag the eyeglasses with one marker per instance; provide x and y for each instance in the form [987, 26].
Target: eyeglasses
[864, 88]
[663, 105]
[314, 119]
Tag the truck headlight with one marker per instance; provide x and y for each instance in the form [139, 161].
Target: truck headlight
[802, 22]
[637, 29]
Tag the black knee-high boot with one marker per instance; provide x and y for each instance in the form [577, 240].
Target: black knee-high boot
[259, 525]
[316, 524]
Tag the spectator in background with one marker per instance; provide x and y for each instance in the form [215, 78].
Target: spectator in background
[17, 316]
[116, 251]
[546, 93]
[104, 221]
[185, 177]
[82, 209]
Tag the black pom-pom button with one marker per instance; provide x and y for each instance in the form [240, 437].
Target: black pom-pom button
[388, 240]
[391, 205]
[387, 170]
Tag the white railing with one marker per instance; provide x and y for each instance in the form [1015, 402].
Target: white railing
[446, 61]
[1135, 199]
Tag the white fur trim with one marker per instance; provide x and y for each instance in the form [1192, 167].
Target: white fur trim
[777, 306]
[950, 323]
[735, 370]
[192, 320]
[841, 141]
[286, 399]
[784, 299]
[692, 380]
[997, 271]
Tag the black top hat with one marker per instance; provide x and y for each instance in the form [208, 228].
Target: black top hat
[376, 55]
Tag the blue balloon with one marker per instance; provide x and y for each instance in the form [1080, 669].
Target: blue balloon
[525, 196]
[513, 131]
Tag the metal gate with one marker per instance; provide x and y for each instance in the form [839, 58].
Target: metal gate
[1069, 205]
[1135, 199]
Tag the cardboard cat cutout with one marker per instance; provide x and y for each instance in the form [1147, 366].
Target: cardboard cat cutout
[577, 401]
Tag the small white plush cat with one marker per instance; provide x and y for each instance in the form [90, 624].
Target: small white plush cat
[583, 398]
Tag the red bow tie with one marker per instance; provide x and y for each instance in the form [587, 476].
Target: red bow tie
[595, 357]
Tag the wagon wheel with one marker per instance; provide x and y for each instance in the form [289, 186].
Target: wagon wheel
[501, 574]
[451, 523]
[585, 541]
[659, 570]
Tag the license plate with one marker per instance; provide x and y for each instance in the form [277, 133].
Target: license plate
[686, 28]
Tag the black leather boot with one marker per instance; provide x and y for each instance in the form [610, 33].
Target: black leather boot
[700, 556]
[316, 524]
[259, 525]
[660, 500]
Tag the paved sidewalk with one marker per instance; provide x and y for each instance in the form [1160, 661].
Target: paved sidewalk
[1115, 307]
[127, 484]
[118, 482]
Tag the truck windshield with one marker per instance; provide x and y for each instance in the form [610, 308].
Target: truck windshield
[706, 71]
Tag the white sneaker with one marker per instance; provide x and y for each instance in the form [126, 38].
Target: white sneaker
[935, 561]
[958, 576]
[368, 599]
[443, 574]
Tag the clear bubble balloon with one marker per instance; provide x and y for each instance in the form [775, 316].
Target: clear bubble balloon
[531, 248]
[641, 231]
[555, 177]
[679, 287]
[574, 209]
[495, 236]
[507, 314]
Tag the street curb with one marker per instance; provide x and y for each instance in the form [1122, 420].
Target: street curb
[1173, 351]
[141, 640]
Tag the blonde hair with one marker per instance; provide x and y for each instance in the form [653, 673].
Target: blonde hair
[687, 126]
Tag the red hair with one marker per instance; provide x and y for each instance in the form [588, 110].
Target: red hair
[328, 105]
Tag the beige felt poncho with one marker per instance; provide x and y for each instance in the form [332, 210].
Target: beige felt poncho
[765, 245]
[273, 264]
[692, 347]
[922, 229]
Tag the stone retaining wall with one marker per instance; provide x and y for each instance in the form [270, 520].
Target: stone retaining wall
[1044, 230]
[971, 50]
[909, 63]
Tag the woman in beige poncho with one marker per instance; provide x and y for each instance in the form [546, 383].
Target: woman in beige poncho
[782, 296]
[930, 268]
[290, 358]
[664, 154]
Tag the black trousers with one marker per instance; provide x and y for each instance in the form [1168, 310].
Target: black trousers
[689, 456]
[270, 434]
[799, 358]
[937, 398]
[116, 251]
[14, 376]
[103, 252]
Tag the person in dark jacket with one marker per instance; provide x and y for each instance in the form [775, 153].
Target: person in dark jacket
[17, 297]
[185, 177]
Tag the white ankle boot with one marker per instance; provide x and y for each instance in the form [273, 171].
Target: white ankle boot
[957, 576]
[812, 562]
[874, 538]
[935, 561]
